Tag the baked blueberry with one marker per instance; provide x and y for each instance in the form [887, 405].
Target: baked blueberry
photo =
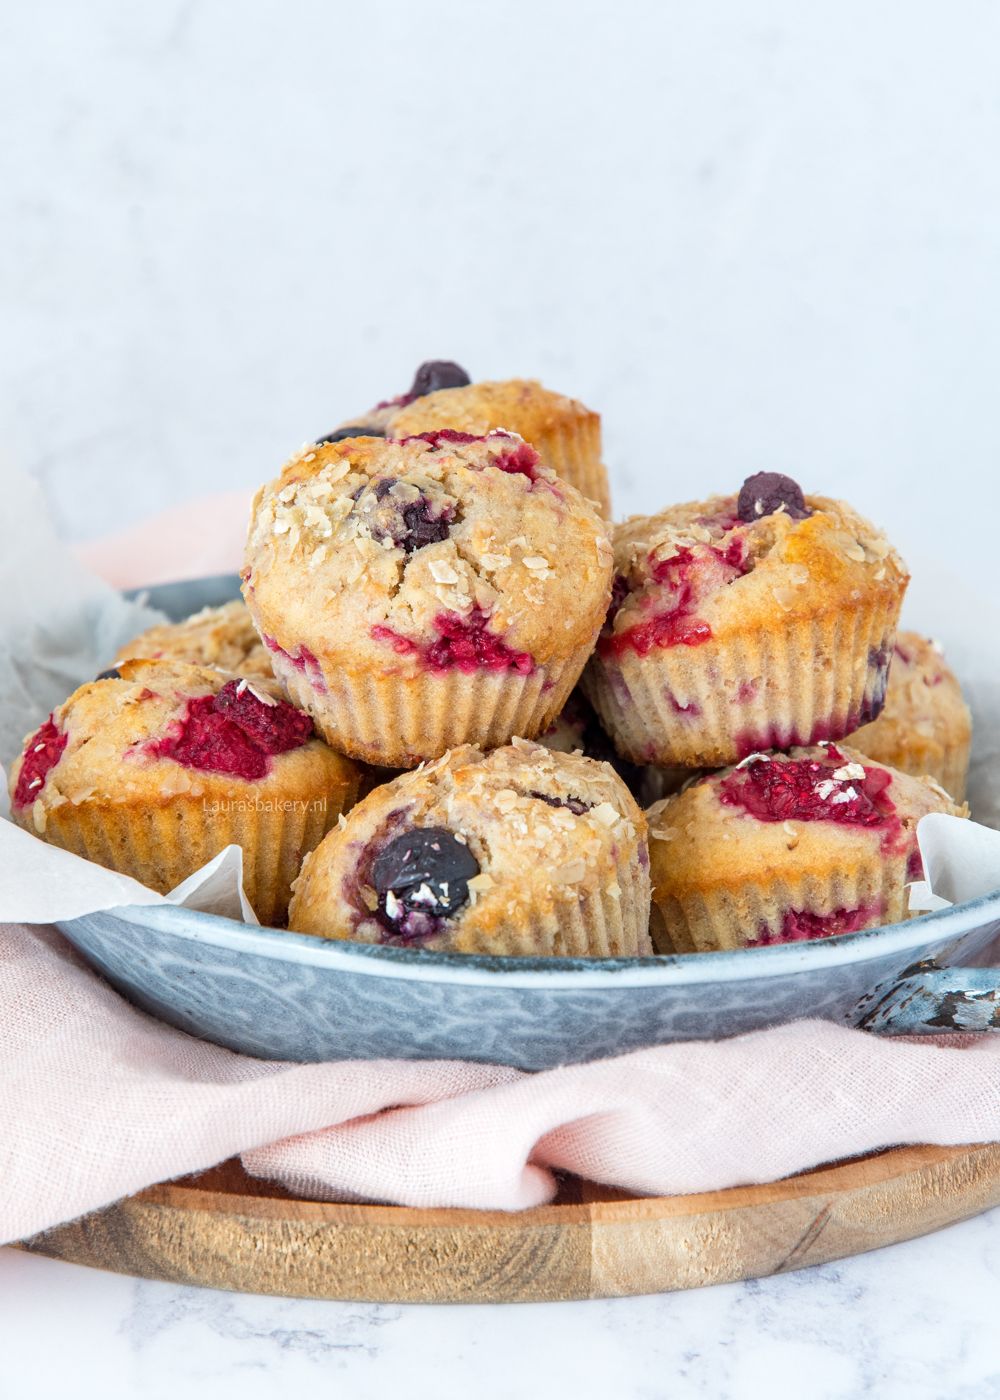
[351, 431]
[420, 876]
[433, 375]
[766, 492]
[109, 675]
[397, 512]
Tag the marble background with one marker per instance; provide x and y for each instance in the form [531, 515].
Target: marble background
[753, 236]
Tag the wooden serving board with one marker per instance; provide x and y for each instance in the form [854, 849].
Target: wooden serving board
[222, 1229]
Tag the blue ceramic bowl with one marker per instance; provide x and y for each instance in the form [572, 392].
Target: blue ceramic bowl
[285, 996]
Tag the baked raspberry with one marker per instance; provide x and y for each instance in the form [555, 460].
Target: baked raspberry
[462, 643]
[41, 755]
[683, 580]
[798, 925]
[831, 790]
[235, 731]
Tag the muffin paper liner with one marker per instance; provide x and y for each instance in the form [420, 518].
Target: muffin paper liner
[724, 919]
[707, 706]
[394, 720]
[573, 451]
[162, 845]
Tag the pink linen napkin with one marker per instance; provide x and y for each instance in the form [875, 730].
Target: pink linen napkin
[98, 1100]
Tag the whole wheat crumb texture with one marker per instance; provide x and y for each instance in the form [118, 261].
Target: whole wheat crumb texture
[522, 851]
[422, 593]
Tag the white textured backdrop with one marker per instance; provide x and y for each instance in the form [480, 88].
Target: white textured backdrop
[752, 235]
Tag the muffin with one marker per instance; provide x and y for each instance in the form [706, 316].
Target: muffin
[158, 766]
[222, 637]
[420, 594]
[786, 847]
[925, 726]
[578, 730]
[430, 377]
[523, 852]
[743, 623]
[566, 434]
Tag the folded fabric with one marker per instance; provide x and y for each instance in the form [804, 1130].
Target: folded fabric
[98, 1099]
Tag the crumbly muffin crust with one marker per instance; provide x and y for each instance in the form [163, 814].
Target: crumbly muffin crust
[223, 637]
[557, 844]
[728, 634]
[421, 566]
[925, 726]
[783, 847]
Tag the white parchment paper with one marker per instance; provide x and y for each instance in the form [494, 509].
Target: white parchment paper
[60, 625]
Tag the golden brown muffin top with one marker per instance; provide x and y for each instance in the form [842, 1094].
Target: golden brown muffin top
[372, 553]
[703, 569]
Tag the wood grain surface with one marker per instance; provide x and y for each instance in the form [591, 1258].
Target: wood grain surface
[222, 1229]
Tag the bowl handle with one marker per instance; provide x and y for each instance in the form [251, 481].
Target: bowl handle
[932, 1000]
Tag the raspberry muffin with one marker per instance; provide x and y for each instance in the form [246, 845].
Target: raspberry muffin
[786, 847]
[925, 726]
[222, 637]
[420, 594]
[743, 623]
[523, 852]
[566, 434]
[158, 766]
[431, 376]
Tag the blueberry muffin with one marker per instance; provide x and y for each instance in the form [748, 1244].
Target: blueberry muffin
[786, 847]
[421, 594]
[154, 768]
[744, 623]
[925, 726]
[221, 637]
[522, 852]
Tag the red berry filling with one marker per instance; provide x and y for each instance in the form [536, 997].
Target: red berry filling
[302, 659]
[683, 580]
[797, 925]
[521, 460]
[43, 752]
[463, 644]
[233, 732]
[809, 789]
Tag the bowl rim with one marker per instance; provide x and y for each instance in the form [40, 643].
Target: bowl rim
[472, 969]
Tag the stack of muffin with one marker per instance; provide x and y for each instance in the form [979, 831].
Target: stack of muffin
[439, 615]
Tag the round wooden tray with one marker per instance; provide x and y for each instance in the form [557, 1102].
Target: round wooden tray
[223, 1229]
